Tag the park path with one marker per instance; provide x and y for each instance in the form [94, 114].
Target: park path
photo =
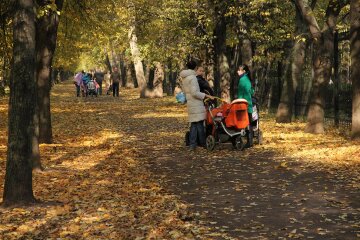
[254, 197]
[119, 170]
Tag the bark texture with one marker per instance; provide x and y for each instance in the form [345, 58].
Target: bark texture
[18, 177]
[135, 52]
[157, 89]
[293, 74]
[322, 59]
[46, 35]
[222, 64]
[355, 66]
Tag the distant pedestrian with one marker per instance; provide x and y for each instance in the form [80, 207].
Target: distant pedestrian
[86, 78]
[115, 81]
[78, 82]
[99, 77]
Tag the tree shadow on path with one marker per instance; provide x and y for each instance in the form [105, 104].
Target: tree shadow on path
[259, 197]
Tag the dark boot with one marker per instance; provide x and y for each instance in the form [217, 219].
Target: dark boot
[250, 137]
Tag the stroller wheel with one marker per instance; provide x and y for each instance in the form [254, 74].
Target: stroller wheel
[210, 142]
[238, 143]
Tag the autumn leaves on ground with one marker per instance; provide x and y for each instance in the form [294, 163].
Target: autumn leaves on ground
[118, 169]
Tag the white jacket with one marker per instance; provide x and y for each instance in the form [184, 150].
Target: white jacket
[194, 98]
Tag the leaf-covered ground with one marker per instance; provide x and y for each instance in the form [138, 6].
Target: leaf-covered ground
[118, 169]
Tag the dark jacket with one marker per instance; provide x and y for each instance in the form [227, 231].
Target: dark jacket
[204, 86]
[99, 77]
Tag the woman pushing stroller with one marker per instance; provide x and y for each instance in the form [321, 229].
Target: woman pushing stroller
[195, 105]
[245, 91]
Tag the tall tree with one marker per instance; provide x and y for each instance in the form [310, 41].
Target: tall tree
[292, 75]
[322, 60]
[18, 177]
[246, 50]
[355, 66]
[157, 89]
[46, 33]
[135, 52]
[222, 63]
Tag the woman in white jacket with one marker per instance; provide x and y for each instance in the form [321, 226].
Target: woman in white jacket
[195, 105]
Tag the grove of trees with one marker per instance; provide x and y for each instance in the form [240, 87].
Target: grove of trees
[151, 40]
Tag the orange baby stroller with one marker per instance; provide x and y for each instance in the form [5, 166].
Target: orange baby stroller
[227, 123]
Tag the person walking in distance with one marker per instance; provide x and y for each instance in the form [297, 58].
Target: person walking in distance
[99, 77]
[115, 81]
[78, 82]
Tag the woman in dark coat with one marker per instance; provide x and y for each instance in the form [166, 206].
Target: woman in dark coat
[203, 83]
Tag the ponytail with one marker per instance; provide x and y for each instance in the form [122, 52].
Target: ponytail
[247, 70]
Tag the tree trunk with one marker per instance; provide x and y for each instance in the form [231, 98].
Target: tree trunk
[281, 77]
[135, 52]
[130, 83]
[2, 79]
[355, 66]
[114, 59]
[172, 78]
[322, 60]
[46, 34]
[178, 79]
[336, 80]
[139, 69]
[246, 53]
[264, 83]
[210, 65]
[302, 95]
[222, 67]
[285, 107]
[322, 63]
[18, 177]
[235, 62]
[157, 89]
[107, 62]
[292, 76]
[122, 70]
[149, 75]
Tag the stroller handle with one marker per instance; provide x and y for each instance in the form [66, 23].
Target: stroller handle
[217, 98]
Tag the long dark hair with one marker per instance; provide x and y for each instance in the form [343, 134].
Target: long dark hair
[247, 70]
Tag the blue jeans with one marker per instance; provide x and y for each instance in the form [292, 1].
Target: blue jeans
[197, 134]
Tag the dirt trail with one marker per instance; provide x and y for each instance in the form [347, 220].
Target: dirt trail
[118, 170]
